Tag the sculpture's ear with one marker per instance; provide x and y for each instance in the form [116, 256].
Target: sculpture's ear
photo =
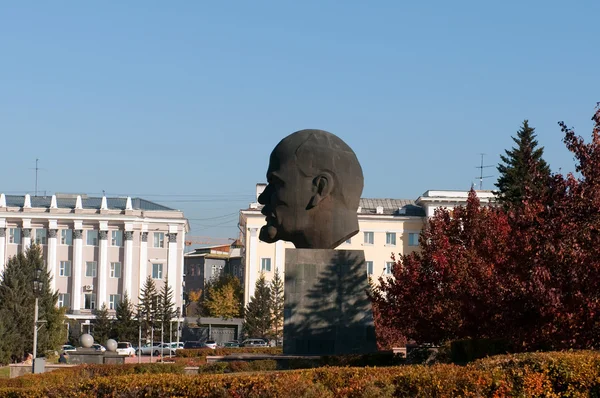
[322, 187]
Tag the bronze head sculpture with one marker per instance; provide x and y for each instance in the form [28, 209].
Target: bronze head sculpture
[314, 186]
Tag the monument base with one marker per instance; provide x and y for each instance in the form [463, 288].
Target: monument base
[326, 308]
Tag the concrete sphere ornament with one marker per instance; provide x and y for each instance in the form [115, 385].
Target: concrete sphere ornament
[111, 345]
[86, 340]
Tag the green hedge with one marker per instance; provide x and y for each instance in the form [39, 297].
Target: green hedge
[204, 352]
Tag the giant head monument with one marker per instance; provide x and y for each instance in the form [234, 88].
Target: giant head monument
[313, 193]
[314, 186]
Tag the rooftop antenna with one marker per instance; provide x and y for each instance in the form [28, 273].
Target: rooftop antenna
[36, 175]
[481, 176]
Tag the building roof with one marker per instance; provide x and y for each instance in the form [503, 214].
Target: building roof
[397, 207]
[68, 202]
[404, 207]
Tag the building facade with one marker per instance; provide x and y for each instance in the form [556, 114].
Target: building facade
[97, 249]
[387, 226]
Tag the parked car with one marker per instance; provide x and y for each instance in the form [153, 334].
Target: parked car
[67, 348]
[177, 346]
[125, 348]
[210, 344]
[99, 347]
[156, 349]
[231, 344]
[193, 344]
[254, 343]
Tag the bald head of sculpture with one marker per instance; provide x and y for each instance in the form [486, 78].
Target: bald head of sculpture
[314, 186]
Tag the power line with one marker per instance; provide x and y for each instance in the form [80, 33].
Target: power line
[214, 218]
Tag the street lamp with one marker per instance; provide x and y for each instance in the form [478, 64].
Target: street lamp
[38, 287]
[178, 316]
[139, 350]
[151, 336]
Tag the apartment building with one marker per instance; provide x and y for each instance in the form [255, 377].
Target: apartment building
[96, 248]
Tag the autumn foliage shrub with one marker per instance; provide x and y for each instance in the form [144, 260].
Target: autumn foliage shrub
[573, 374]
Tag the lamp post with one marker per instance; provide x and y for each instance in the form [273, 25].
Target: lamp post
[37, 291]
[151, 336]
[139, 350]
[162, 340]
[178, 316]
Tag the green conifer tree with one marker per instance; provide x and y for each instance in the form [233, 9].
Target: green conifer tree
[17, 303]
[102, 325]
[276, 301]
[258, 318]
[166, 307]
[523, 169]
[147, 308]
[125, 327]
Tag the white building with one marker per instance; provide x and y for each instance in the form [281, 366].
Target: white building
[97, 248]
[386, 226]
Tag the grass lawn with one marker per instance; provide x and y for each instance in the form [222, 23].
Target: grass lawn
[4, 372]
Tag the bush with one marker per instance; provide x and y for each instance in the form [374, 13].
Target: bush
[573, 374]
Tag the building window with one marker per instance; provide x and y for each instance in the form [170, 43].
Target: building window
[388, 267]
[40, 236]
[92, 237]
[369, 238]
[14, 236]
[65, 268]
[66, 237]
[159, 239]
[157, 271]
[370, 267]
[90, 269]
[413, 239]
[265, 264]
[117, 238]
[114, 301]
[64, 300]
[90, 301]
[390, 238]
[115, 270]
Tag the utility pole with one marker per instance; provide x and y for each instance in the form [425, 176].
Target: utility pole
[36, 174]
[481, 176]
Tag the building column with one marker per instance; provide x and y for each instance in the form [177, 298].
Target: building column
[143, 260]
[51, 264]
[26, 239]
[252, 267]
[128, 266]
[77, 270]
[172, 264]
[102, 268]
[2, 248]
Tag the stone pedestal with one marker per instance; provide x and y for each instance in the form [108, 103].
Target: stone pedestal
[86, 355]
[326, 309]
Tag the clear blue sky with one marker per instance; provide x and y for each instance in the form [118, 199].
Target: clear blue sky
[182, 102]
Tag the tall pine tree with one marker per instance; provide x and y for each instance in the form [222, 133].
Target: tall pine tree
[166, 307]
[17, 303]
[258, 319]
[126, 327]
[102, 325]
[276, 301]
[147, 309]
[524, 172]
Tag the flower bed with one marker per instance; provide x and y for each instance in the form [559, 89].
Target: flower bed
[524, 375]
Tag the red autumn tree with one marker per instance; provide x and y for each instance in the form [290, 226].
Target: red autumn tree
[529, 274]
[449, 289]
